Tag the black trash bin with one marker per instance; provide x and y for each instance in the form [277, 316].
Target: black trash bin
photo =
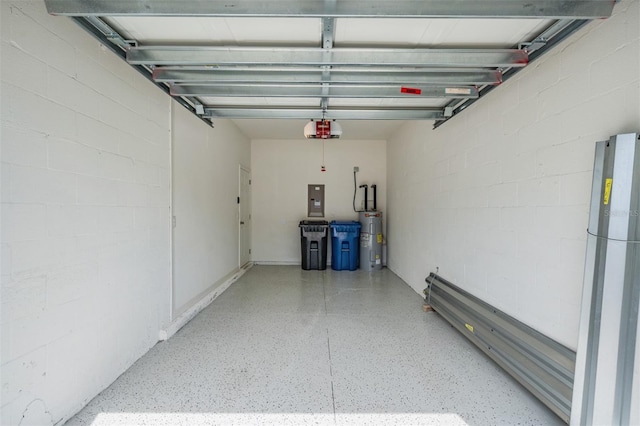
[313, 244]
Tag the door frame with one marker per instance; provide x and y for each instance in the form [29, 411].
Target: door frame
[246, 203]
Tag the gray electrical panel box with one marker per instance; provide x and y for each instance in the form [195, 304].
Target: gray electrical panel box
[315, 201]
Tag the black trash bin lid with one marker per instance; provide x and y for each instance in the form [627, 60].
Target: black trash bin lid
[313, 223]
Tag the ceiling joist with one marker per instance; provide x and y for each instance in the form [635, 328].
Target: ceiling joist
[552, 9]
[218, 72]
[319, 57]
[318, 91]
[421, 77]
[253, 111]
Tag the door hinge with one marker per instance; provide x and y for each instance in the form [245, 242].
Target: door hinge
[238, 200]
[249, 181]
[249, 251]
[173, 221]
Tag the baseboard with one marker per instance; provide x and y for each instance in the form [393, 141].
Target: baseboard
[277, 263]
[184, 318]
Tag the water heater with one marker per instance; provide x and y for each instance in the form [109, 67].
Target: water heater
[370, 240]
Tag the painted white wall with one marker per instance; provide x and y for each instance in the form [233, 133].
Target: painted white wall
[498, 198]
[205, 186]
[281, 171]
[85, 215]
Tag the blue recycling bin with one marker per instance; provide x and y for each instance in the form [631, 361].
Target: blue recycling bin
[345, 245]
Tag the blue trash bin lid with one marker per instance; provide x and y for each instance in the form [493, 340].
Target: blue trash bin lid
[353, 223]
[345, 226]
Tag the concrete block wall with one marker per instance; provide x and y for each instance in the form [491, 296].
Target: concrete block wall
[85, 215]
[206, 165]
[498, 198]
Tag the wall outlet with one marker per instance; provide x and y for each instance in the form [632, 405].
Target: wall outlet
[356, 168]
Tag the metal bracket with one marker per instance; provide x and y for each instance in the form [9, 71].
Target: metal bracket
[111, 34]
[533, 45]
[199, 108]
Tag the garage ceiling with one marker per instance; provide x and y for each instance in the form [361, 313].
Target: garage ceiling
[334, 59]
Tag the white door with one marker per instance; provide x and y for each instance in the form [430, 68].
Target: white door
[244, 205]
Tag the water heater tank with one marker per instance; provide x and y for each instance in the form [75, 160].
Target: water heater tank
[371, 240]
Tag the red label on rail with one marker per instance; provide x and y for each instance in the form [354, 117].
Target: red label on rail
[410, 90]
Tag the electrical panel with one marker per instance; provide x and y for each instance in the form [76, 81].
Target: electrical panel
[315, 201]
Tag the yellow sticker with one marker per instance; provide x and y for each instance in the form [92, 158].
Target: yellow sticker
[469, 327]
[608, 183]
[379, 238]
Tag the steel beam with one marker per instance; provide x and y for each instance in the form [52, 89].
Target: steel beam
[317, 113]
[542, 9]
[542, 365]
[328, 36]
[249, 77]
[317, 57]
[607, 387]
[319, 91]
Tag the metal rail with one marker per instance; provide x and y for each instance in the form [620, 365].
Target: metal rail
[320, 57]
[318, 113]
[350, 9]
[316, 91]
[211, 75]
[542, 365]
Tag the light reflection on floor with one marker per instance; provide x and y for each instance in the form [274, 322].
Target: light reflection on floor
[222, 419]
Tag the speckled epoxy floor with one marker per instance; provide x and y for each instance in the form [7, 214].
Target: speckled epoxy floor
[291, 347]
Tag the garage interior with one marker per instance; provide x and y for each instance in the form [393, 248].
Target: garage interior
[137, 136]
